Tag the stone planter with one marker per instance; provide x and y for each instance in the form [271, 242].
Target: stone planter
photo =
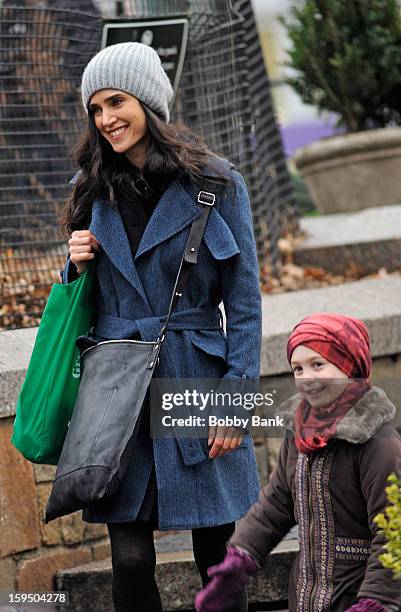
[353, 171]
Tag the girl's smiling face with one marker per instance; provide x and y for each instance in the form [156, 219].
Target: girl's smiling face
[317, 379]
[121, 120]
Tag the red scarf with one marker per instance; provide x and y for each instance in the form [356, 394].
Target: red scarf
[343, 341]
[315, 426]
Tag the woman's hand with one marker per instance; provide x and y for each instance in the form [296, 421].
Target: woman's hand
[81, 245]
[222, 440]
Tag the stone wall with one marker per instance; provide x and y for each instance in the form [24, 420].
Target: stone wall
[31, 553]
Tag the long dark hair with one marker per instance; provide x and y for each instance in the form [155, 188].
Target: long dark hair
[173, 151]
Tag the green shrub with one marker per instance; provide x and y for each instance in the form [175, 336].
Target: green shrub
[390, 525]
[347, 54]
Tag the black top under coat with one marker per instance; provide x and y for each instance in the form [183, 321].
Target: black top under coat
[136, 211]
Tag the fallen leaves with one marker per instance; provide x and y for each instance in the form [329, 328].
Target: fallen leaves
[292, 277]
[295, 278]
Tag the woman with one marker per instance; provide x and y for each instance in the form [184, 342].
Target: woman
[330, 479]
[131, 209]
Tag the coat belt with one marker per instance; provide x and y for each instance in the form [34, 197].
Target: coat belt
[205, 317]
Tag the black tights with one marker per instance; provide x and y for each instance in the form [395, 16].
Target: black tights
[134, 562]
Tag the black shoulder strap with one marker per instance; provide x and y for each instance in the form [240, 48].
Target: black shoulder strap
[206, 200]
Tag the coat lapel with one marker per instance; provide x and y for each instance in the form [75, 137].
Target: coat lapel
[174, 211]
[107, 226]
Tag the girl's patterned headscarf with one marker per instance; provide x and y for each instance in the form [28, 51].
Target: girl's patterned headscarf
[341, 340]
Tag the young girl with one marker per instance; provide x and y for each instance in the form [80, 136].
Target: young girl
[131, 210]
[330, 479]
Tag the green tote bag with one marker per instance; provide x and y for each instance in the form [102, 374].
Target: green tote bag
[48, 394]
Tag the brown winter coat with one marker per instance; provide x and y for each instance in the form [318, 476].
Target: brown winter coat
[333, 495]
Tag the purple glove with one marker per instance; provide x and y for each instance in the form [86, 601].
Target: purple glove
[367, 605]
[227, 581]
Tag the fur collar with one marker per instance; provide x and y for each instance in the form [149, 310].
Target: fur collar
[360, 424]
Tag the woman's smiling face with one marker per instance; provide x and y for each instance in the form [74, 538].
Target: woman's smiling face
[121, 120]
[317, 379]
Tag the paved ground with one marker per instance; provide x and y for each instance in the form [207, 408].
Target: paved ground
[181, 541]
[29, 609]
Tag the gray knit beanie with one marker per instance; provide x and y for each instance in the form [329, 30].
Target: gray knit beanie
[131, 67]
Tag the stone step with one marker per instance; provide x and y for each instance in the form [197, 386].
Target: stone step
[89, 585]
[369, 239]
[376, 301]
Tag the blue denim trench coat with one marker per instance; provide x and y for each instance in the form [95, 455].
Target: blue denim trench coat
[193, 490]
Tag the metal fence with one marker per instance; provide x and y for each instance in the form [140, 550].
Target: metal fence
[224, 94]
